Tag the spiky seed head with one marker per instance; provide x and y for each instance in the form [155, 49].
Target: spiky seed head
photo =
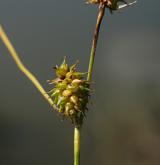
[111, 4]
[70, 92]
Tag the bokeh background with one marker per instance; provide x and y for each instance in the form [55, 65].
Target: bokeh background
[123, 124]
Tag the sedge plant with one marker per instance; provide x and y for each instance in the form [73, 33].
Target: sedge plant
[71, 89]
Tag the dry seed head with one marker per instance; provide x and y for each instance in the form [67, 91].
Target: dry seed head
[112, 4]
[70, 92]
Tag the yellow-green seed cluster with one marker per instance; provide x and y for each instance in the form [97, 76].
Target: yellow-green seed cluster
[70, 92]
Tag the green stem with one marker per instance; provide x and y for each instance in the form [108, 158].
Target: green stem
[77, 145]
[22, 67]
[95, 39]
[90, 68]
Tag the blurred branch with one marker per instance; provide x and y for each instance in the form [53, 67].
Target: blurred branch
[21, 66]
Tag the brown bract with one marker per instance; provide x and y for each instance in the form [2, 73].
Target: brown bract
[110, 4]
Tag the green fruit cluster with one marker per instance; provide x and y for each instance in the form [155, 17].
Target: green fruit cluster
[70, 92]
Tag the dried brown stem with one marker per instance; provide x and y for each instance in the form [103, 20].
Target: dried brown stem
[95, 39]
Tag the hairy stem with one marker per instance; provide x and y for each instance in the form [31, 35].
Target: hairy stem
[22, 68]
[77, 146]
[95, 39]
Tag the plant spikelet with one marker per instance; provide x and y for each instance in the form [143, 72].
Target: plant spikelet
[70, 93]
[112, 4]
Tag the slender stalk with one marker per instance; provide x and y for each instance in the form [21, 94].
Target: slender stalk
[95, 39]
[22, 68]
[89, 76]
[77, 146]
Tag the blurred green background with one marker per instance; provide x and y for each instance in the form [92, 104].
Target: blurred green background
[123, 124]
